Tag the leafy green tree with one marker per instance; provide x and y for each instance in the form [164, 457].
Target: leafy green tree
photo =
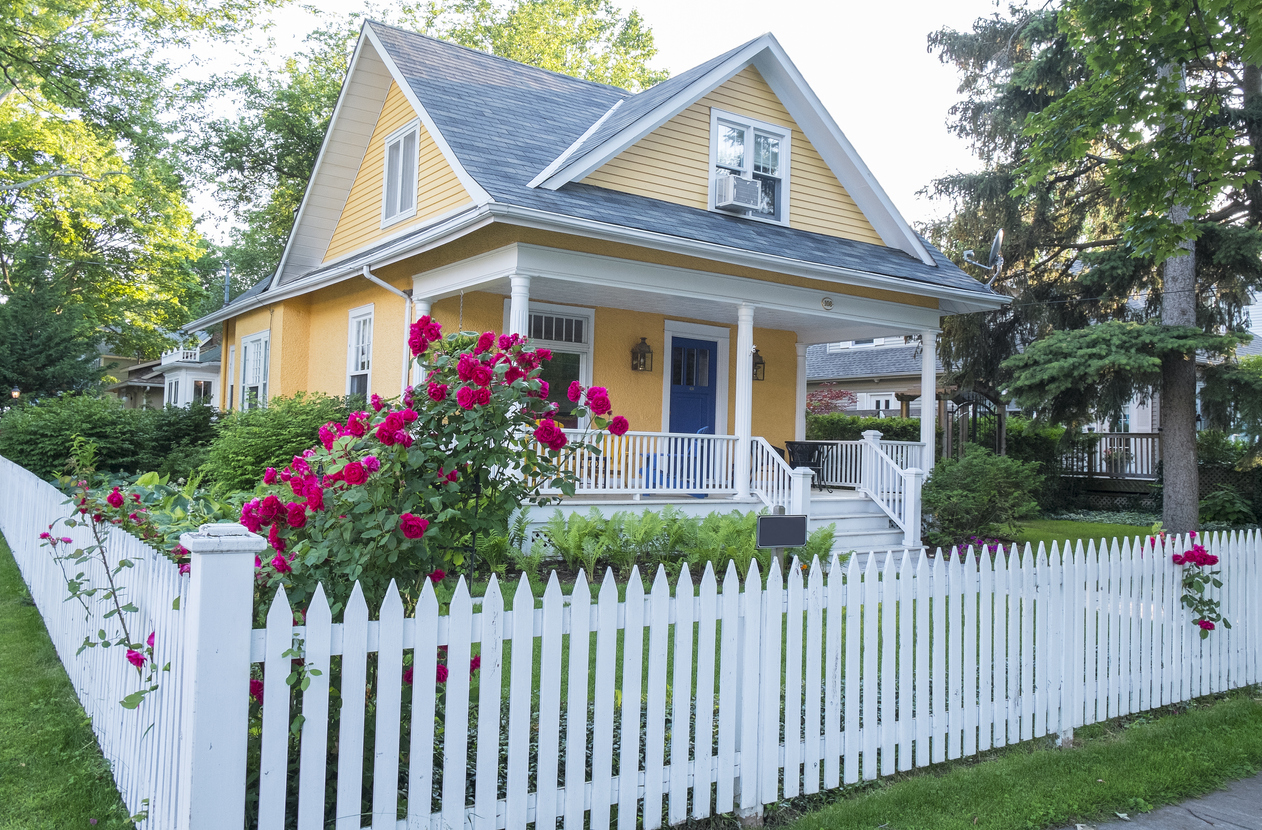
[260, 159]
[45, 347]
[1118, 141]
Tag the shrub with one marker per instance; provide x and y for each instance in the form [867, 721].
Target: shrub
[1217, 449]
[247, 443]
[841, 427]
[1226, 505]
[979, 494]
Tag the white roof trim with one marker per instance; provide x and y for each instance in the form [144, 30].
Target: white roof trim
[773, 63]
[560, 160]
[476, 191]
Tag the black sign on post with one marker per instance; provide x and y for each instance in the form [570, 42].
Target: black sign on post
[781, 531]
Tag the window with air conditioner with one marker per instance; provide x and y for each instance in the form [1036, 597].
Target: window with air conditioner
[359, 352]
[749, 167]
[255, 362]
[398, 198]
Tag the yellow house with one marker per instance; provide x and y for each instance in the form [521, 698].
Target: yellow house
[721, 219]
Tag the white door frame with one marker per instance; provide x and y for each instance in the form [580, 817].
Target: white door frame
[722, 335]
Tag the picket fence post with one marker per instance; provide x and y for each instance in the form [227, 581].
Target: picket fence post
[216, 676]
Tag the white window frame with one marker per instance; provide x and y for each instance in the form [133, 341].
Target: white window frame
[208, 399]
[412, 128]
[173, 392]
[584, 350]
[751, 125]
[232, 385]
[262, 341]
[363, 312]
[697, 331]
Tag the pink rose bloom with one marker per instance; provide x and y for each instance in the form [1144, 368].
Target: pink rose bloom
[149, 642]
[371, 464]
[315, 497]
[296, 514]
[433, 331]
[281, 564]
[328, 435]
[507, 341]
[417, 341]
[482, 397]
[357, 424]
[550, 435]
[483, 375]
[407, 675]
[542, 394]
[437, 392]
[394, 421]
[413, 526]
[269, 475]
[409, 415]
[403, 439]
[485, 341]
[46, 535]
[135, 658]
[269, 509]
[618, 426]
[465, 366]
[354, 473]
[186, 568]
[598, 400]
[440, 673]
[67, 540]
[575, 392]
[385, 435]
[256, 690]
[543, 354]
[115, 499]
[465, 397]
[475, 664]
[376, 403]
[273, 539]
[513, 374]
[250, 516]
[438, 575]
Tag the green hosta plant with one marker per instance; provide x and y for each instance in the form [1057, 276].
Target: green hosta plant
[404, 492]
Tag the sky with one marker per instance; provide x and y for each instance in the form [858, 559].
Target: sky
[867, 61]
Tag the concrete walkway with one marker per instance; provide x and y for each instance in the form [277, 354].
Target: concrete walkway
[1239, 807]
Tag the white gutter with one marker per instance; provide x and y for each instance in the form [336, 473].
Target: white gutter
[407, 323]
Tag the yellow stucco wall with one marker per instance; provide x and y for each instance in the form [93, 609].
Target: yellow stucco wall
[673, 162]
[438, 190]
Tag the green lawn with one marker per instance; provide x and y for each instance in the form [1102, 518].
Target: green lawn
[52, 774]
[1057, 530]
[1129, 767]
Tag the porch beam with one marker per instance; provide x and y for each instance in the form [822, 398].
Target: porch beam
[928, 394]
[744, 395]
[799, 412]
[519, 304]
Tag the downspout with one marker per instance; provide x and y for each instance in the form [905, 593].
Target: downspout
[407, 323]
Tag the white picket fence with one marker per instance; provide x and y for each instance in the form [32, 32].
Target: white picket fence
[721, 695]
[141, 745]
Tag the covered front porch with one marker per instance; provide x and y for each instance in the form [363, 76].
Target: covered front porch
[724, 390]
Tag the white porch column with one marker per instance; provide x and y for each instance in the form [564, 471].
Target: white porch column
[519, 305]
[744, 395]
[799, 412]
[928, 395]
[420, 308]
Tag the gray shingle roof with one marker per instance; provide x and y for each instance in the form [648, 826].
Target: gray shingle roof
[877, 361]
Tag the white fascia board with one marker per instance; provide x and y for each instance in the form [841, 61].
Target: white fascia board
[611, 272]
[837, 151]
[560, 160]
[320, 159]
[466, 274]
[475, 190]
[656, 117]
[530, 217]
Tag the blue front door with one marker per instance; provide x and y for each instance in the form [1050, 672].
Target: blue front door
[693, 385]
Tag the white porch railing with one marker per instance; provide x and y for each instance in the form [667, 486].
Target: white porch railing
[650, 463]
[181, 355]
[770, 477]
[842, 461]
[894, 489]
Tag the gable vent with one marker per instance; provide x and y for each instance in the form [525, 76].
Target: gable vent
[558, 328]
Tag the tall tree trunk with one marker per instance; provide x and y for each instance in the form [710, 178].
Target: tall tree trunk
[1181, 493]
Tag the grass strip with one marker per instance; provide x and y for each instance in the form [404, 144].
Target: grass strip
[52, 773]
[1128, 765]
[1058, 530]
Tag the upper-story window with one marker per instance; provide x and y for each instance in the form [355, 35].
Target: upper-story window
[359, 352]
[398, 200]
[756, 155]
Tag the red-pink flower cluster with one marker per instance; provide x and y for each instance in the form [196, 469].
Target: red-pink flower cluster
[1197, 556]
[550, 435]
[423, 332]
[1205, 624]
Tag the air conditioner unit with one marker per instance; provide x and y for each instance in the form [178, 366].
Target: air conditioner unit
[735, 193]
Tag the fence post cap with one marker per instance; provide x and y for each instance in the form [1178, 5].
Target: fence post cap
[914, 472]
[223, 537]
[872, 435]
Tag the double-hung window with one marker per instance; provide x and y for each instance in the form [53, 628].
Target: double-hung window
[398, 198]
[255, 360]
[741, 146]
[202, 391]
[359, 352]
[173, 392]
[567, 331]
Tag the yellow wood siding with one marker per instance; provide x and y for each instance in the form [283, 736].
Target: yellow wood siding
[673, 162]
[438, 190]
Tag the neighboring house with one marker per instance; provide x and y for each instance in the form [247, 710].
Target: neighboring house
[721, 216]
[883, 372]
[181, 377]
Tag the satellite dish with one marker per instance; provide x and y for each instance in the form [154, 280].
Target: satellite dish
[995, 264]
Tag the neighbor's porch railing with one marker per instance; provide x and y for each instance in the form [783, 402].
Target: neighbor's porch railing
[652, 463]
[1116, 455]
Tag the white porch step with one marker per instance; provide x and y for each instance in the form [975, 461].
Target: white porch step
[861, 525]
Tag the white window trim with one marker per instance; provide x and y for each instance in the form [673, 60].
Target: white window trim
[786, 158]
[263, 339]
[584, 350]
[697, 331]
[356, 314]
[226, 394]
[413, 126]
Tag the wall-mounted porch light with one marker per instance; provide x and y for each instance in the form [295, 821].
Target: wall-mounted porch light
[760, 366]
[642, 356]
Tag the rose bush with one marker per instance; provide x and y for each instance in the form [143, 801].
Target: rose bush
[406, 489]
[1206, 611]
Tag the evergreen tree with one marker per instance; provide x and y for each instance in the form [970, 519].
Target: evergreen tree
[45, 346]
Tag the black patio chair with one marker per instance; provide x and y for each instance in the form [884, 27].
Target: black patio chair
[811, 455]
